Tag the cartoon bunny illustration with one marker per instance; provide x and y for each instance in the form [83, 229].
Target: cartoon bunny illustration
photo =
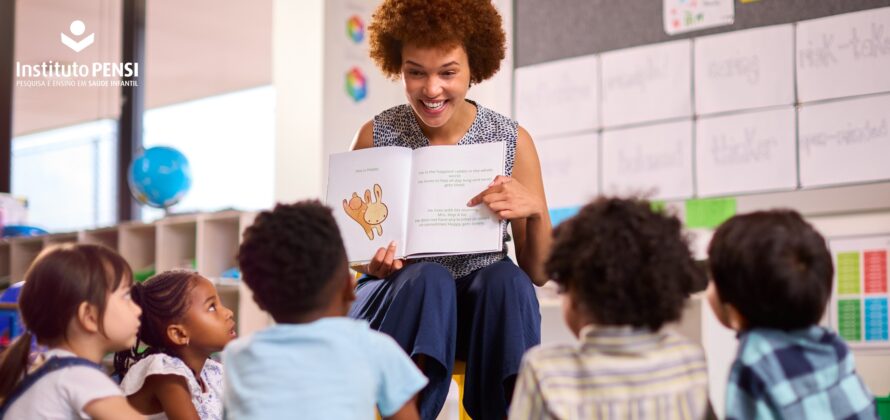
[369, 215]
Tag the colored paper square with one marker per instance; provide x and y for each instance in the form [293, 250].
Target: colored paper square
[848, 273]
[849, 321]
[876, 319]
[875, 271]
[709, 213]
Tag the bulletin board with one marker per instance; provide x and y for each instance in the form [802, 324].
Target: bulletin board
[783, 104]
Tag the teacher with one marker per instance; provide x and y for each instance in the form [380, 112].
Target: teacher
[478, 308]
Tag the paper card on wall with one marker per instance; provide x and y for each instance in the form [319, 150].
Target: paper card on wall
[648, 83]
[744, 69]
[650, 159]
[845, 141]
[858, 306]
[558, 97]
[754, 151]
[708, 213]
[569, 166]
[691, 15]
[843, 55]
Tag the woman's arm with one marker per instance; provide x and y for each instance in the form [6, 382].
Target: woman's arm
[520, 199]
[531, 235]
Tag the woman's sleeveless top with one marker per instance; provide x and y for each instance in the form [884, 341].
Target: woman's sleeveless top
[398, 126]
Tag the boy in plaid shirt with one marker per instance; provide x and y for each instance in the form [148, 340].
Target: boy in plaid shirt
[771, 277]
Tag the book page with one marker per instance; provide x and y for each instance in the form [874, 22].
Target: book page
[368, 192]
[444, 179]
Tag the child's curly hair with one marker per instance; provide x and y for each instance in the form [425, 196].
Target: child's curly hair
[624, 263]
[473, 24]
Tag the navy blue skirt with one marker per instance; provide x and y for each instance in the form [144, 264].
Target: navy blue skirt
[488, 319]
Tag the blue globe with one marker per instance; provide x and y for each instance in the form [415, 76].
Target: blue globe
[159, 177]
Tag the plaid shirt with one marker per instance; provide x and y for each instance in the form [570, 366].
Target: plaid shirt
[802, 374]
[613, 373]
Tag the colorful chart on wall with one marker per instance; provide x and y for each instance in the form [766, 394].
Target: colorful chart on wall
[858, 310]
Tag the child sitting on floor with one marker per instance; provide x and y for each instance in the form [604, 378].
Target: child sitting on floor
[624, 271]
[314, 361]
[771, 279]
[183, 323]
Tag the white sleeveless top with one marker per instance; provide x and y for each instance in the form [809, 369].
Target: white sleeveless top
[209, 405]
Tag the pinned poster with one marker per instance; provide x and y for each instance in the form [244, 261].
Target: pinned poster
[558, 97]
[843, 55]
[569, 166]
[858, 307]
[691, 15]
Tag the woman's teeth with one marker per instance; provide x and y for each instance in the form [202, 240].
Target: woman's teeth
[433, 105]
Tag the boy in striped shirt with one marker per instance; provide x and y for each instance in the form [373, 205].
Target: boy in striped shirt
[624, 271]
[771, 278]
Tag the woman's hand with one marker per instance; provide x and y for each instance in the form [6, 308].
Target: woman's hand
[509, 199]
[384, 262]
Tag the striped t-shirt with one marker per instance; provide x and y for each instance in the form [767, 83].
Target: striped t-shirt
[613, 373]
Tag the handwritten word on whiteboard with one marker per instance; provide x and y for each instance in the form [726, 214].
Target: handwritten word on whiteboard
[655, 158]
[558, 97]
[845, 141]
[746, 152]
[745, 69]
[647, 83]
[843, 55]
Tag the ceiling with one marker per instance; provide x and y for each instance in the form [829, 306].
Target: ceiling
[194, 49]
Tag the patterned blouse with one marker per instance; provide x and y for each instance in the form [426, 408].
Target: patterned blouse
[398, 126]
[208, 404]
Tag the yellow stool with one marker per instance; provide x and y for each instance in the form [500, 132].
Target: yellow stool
[460, 368]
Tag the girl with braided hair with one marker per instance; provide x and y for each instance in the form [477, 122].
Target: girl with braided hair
[169, 373]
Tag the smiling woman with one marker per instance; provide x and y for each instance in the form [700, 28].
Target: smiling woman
[478, 308]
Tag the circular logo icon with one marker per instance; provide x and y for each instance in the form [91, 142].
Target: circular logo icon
[356, 85]
[355, 29]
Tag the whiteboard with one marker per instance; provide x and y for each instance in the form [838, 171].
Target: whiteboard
[843, 55]
[558, 97]
[570, 169]
[653, 159]
[746, 69]
[753, 151]
[648, 83]
[845, 141]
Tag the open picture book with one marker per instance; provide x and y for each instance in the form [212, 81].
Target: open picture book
[417, 198]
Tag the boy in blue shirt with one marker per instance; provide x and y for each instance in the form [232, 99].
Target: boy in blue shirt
[771, 278]
[314, 362]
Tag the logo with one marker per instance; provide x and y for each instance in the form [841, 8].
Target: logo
[355, 29]
[356, 85]
[77, 28]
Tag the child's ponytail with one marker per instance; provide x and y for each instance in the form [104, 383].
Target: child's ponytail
[14, 363]
[164, 300]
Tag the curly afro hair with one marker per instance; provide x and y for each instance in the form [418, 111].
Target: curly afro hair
[473, 24]
[773, 267]
[290, 256]
[624, 264]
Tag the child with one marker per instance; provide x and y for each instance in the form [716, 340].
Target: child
[76, 300]
[315, 361]
[771, 279]
[624, 271]
[183, 323]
